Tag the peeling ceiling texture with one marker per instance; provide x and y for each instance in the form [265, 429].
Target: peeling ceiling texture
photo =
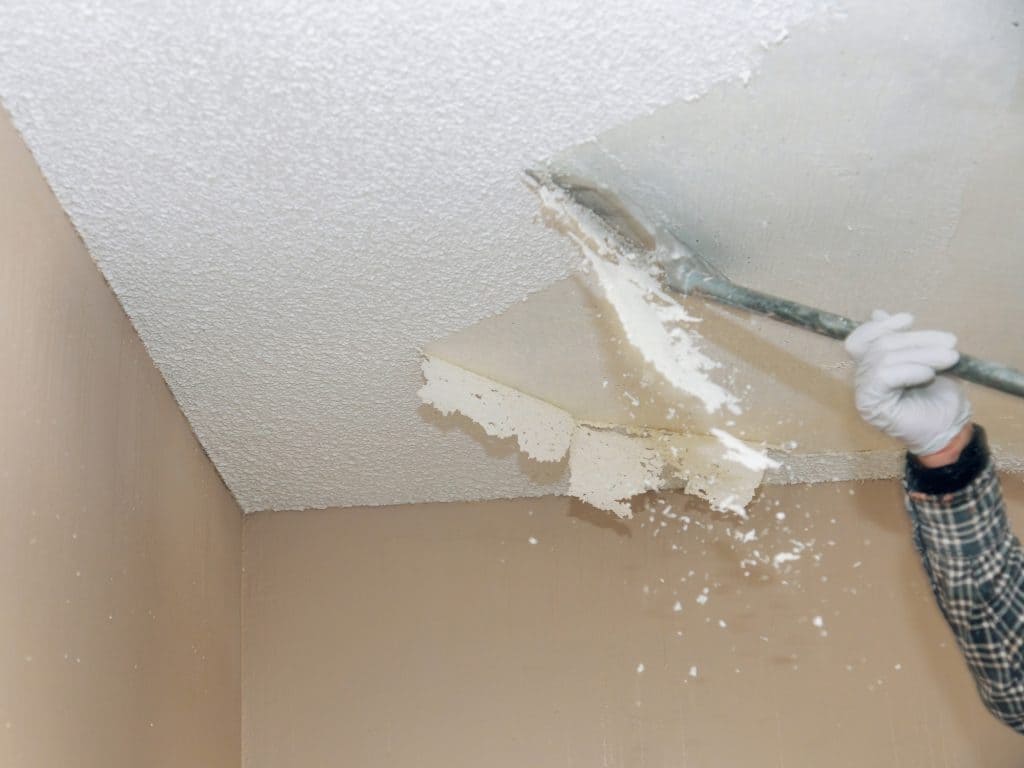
[292, 199]
[875, 162]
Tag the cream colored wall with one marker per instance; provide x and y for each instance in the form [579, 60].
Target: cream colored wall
[119, 545]
[438, 635]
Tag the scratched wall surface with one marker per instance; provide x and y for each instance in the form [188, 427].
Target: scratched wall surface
[543, 633]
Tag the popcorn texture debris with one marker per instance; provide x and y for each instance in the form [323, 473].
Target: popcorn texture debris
[654, 322]
[608, 465]
[542, 430]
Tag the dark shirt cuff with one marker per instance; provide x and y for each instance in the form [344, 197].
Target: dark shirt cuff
[952, 477]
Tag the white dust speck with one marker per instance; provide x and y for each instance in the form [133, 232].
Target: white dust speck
[701, 599]
[532, 539]
[640, 668]
[678, 606]
[693, 671]
[784, 557]
[818, 622]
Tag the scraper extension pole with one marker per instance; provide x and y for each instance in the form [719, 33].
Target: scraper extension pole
[724, 291]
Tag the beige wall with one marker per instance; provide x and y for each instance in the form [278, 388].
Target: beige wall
[119, 545]
[438, 635]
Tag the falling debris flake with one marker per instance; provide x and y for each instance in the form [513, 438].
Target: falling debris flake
[640, 668]
[693, 671]
[678, 606]
[784, 557]
[532, 539]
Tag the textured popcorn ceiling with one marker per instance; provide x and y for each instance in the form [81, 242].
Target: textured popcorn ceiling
[291, 199]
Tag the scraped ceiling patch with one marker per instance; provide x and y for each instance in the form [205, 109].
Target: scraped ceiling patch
[609, 464]
[807, 182]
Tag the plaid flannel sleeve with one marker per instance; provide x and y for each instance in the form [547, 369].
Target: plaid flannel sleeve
[976, 568]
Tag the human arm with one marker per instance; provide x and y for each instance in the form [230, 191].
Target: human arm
[976, 569]
[974, 563]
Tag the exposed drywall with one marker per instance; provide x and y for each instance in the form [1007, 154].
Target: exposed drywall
[120, 547]
[289, 202]
[545, 633]
[840, 176]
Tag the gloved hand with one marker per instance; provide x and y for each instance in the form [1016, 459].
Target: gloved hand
[898, 390]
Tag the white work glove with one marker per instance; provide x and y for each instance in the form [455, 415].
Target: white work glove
[898, 390]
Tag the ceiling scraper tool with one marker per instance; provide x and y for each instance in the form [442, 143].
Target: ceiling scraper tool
[686, 272]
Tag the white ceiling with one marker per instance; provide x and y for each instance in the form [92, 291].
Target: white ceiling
[291, 199]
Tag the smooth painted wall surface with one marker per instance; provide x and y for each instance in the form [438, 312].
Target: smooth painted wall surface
[440, 635]
[119, 545]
